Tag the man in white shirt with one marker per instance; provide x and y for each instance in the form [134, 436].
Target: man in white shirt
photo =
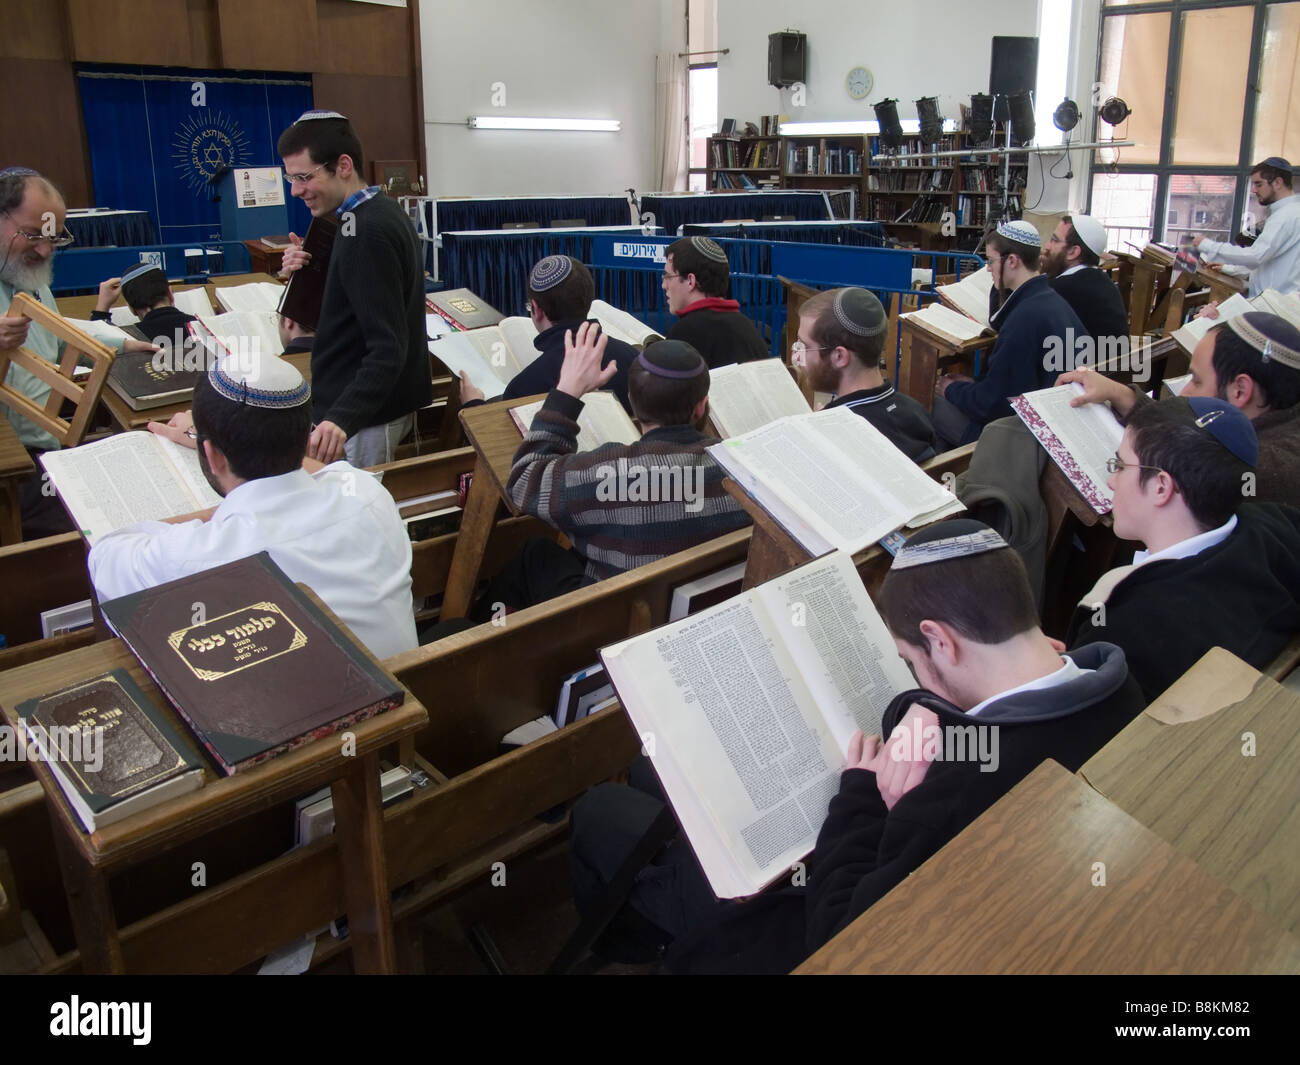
[1211, 572]
[1274, 258]
[336, 530]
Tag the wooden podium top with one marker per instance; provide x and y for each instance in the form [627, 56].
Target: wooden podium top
[492, 431]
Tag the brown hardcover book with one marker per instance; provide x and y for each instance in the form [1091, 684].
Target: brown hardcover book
[463, 308]
[111, 749]
[306, 287]
[253, 666]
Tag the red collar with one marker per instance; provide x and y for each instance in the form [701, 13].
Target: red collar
[712, 303]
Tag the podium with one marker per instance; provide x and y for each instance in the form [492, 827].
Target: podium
[252, 204]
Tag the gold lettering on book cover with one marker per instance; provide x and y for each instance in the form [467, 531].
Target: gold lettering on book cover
[236, 641]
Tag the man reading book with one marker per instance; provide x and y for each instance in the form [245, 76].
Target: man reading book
[621, 506]
[149, 297]
[1274, 258]
[337, 530]
[1071, 260]
[1032, 322]
[696, 284]
[841, 342]
[1251, 361]
[370, 363]
[560, 291]
[1211, 572]
[960, 611]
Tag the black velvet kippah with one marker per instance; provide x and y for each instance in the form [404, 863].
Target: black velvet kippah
[672, 358]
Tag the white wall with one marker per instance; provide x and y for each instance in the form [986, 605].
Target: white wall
[922, 48]
[558, 58]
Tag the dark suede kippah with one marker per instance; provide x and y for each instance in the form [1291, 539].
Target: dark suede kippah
[1228, 425]
[672, 358]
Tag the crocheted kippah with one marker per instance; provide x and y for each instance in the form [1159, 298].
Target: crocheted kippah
[311, 116]
[550, 272]
[944, 540]
[710, 249]
[858, 311]
[1271, 335]
[1021, 233]
[260, 381]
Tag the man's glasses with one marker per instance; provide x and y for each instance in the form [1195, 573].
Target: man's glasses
[302, 179]
[799, 348]
[1118, 465]
[669, 277]
[61, 241]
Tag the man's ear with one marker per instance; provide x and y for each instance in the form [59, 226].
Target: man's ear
[344, 168]
[1241, 391]
[216, 459]
[1163, 488]
[840, 358]
[701, 410]
[942, 642]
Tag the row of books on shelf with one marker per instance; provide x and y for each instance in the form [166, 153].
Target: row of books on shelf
[768, 126]
[812, 159]
[909, 180]
[724, 180]
[733, 153]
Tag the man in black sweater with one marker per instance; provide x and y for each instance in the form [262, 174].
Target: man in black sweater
[370, 362]
[696, 282]
[1071, 260]
[148, 295]
[959, 607]
[841, 340]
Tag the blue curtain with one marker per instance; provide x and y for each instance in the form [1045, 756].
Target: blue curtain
[670, 212]
[152, 149]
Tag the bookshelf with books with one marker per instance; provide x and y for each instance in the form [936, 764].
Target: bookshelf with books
[814, 162]
[748, 160]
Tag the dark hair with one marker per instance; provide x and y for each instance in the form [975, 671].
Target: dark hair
[984, 597]
[830, 334]
[1005, 246]
[1208, 475]
[144, 291]
[664, 400]
[570, 299]
[325, 139]
[1269, 173]
[1086, 255]
[13, 188]
[257, 441]
[1280, 384]
[712, 277]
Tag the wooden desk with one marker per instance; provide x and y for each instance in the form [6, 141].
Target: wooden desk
[15, 465]
[1179, 769]
[495, 438]
[923, 351]
[262, 259]
[1014, 893]
[87, 861]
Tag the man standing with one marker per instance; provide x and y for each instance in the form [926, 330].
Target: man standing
[370, 363]
[1274, 258]
[696, 281]
[1071, 261]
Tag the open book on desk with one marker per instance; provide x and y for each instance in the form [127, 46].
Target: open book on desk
[602, 421]
[490, 357]
[240, 333]
[970, 295]
[254, 296]
[749, 395]
[750, 715]
[948, 325]
[128, 478]
[1080, 440]
[832, 480]
[1190, 334]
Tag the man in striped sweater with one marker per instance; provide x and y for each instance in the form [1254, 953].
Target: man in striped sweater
[621, 506]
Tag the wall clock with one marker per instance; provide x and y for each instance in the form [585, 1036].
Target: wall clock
[858, 82]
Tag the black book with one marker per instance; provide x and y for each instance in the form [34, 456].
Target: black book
[306, 287]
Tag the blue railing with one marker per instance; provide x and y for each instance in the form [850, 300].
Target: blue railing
[84, 268]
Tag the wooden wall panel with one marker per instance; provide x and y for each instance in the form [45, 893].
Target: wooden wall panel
[33, 29]
[149, 32]
[380, 109]
[205, 36]
[256, 35]
[51, 139]
[364, 38]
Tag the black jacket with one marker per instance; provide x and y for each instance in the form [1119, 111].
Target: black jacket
[543, 373]
[865, 850]
[159, 326]
[1095, 298]
[901, 418]
[722, 336]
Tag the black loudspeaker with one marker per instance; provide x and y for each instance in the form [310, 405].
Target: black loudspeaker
[1014, 68]
[787, 58]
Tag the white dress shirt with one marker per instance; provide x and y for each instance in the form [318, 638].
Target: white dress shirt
[337, 531]
[1274, 258]
[1069, 671]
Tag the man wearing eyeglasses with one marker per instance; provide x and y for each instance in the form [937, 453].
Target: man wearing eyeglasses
[369, 363]
[1274, 258]
[1211, 572]
[31, 227]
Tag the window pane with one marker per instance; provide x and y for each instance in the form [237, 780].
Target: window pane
[704, 112]
[1125, 205]
[1203, 203]
[1212, 86]
[1134, 54]
[1277, 114]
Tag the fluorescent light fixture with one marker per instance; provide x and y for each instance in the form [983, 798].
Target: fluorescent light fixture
[597, 125]
[910, 125]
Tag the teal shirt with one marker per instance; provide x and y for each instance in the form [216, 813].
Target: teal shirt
[45, 344]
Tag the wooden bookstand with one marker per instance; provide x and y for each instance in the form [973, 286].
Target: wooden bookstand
[59, 378]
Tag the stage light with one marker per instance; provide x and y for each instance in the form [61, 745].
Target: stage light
[1021, 105]
[891, 130]
[1114, 111]
[981, 117]
[927, 111]
[1066, 115]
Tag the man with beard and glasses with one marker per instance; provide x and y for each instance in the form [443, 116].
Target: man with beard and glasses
[335, 530]
[1071, 259]
[841, 342]
[31, 227]
[1274, 258]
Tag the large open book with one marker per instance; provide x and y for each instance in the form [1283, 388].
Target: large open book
[833, 480]
[491, 356]
[1081, 440]
[240, 332]
[602, 421]
[1191, 333]
[127, 478]
[746, 711]
[254, 296]
[970, 295]
[748, 395]
[948, 325]
[1274, 302]
[620, 325]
